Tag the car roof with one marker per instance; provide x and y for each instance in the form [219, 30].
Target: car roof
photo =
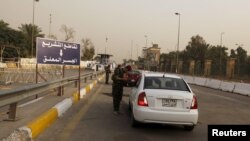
[160, 74]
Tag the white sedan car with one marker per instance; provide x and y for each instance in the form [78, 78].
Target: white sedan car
[163, 98]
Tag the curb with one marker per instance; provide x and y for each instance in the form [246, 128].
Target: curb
[37, 126]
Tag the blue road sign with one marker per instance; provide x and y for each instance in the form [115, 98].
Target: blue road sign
[57, 52]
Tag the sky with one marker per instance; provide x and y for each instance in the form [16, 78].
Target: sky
[126, 22]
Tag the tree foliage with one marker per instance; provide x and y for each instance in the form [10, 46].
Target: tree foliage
[196, 50]
[11, 37]
[248, 66]
[241, 60]
[88, 49]
[69, 33]
[26, 30]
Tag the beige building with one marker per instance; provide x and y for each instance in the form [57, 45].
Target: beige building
[152, 57]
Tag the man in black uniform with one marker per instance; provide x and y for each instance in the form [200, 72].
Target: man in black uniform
[117, 88]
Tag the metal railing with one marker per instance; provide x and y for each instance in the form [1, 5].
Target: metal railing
[12, 97]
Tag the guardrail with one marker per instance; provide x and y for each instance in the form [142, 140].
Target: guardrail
[12, 97]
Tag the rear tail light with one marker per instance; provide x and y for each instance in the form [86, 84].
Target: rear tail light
[142, 99]
[194, 103]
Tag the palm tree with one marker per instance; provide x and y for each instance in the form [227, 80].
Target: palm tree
[26, 29]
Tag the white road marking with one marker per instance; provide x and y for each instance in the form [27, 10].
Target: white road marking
[30, 102]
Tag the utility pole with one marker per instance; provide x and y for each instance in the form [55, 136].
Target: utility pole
[137, 50]
[177, 52]
[146, 37]
[131, 49]
[32, 34]
[106, 56]
[50, 21]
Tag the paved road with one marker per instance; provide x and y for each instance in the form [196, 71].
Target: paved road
[93, 120]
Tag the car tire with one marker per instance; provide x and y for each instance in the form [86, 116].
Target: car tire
[189, 128]
[134, 123]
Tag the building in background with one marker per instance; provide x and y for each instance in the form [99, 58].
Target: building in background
[151, 57]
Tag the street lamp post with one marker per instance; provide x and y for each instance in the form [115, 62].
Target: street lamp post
[132, 43]
[106, 57]
[177, 53]
[137, 50]
[32, 34]
[146, 37]
[106, 44]
[49, 25]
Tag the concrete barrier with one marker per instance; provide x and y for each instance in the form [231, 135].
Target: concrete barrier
[82, 93]
[227, 86]
[200, 81]
[213, 83]
[63, 106]
[242, 88]
[189, 79]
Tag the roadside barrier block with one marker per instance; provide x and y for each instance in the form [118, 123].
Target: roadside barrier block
[82, 92]
[42, 122]
[75, 97]
[20, 134]
[87, 88]
[95, 82]
[189, 79]
[213, 83]
[63, 106]
[200, 81]
[227, 86]
[242, 88]
[91, 86]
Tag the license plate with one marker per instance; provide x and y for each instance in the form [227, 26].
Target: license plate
[169, 102]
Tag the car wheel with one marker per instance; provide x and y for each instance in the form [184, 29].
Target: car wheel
[134, 123]
[189, 128]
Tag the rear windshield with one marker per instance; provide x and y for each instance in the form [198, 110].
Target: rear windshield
[165, 83]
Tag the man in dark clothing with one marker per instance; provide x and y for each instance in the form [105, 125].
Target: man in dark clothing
[117, 88]
[108, 71]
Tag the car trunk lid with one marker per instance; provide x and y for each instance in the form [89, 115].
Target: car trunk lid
[169, 100]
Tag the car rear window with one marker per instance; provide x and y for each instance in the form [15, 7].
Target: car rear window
[165, 83]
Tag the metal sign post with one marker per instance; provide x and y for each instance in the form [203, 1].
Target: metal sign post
[79, 84]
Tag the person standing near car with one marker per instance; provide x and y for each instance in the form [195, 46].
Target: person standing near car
[117, 88]
[108, 71]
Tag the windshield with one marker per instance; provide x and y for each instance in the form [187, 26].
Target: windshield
[165, 83]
